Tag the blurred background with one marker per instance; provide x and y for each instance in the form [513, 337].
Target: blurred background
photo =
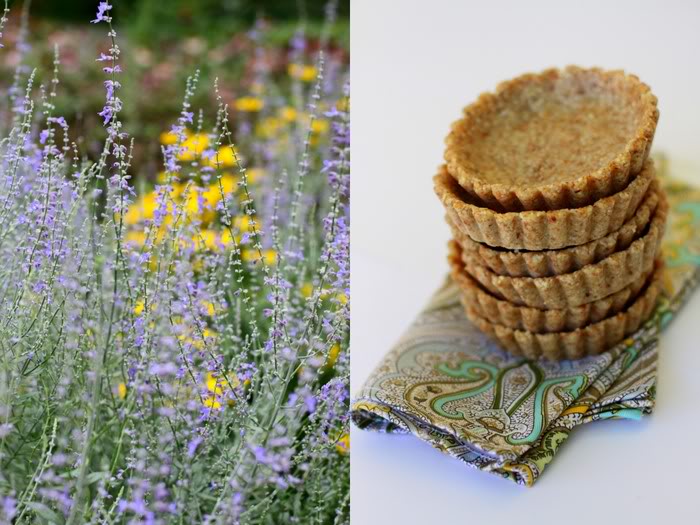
[162, 43]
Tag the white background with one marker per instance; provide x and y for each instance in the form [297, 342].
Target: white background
[415, 64]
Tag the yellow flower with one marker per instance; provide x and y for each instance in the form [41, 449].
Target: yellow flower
[211, 402]
[343, 104]
[192, 204]
[212, 196]
[206, 333]
[198, 264]
[302, 72]
[168, 137]
[193, 147]
[160, 234]
[121, 390]
[217, 385]
[288, 114]
[249, 104]
[202, 210]
[253, 174]
[135, 237]
[342, 298]
[229, 183]
[269, 256]
[205, 240]
[142, 209]
[332, 358]
[209, 306]
[225, 157]
[243, 223]
[307, 289]
[227, 240]
[213, 384]
[319, 126]
[198, 341]
[139, 307]
[178, 187]
[323, 294]
[333, 355]
[268, 127]
[343, 444]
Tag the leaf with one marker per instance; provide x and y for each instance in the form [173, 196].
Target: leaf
[45, 513]
[96, 476]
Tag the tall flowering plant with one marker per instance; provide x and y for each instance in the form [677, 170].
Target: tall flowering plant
[181, 355]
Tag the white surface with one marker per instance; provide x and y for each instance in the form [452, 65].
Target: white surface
[415, 64]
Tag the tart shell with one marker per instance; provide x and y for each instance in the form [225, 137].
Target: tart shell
[590, 283]
[565, 260]
[541, 230]
[527, 95]
[500, 312]
[589, 340]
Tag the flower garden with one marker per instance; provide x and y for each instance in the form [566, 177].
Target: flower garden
[174, 304]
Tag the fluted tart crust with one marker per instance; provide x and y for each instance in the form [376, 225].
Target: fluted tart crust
[588, 284]
[546, 263]
[540, 230]
[526, 318]
[589, 340]
[563, 138]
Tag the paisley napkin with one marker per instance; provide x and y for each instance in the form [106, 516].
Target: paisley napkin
[448, 384]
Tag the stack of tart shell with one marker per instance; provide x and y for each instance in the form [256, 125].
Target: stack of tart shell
[569, 267]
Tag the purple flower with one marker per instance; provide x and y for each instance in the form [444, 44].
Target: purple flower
[102, 8]
[260, 455]
[9, 508]
[110, 86]
[59, 120]
[5, 429]
[193, 445]
[106, 114]
[310, 402]
[163, 369]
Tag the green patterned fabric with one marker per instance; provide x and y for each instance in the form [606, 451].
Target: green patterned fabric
[450, 385]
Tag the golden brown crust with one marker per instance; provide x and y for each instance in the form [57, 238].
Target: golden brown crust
[558, 139]
[565, 260]
[529, 319]
[590, 283]
[541, 230]
[589, 340]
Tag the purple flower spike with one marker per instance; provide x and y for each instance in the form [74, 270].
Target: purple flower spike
[102, 8]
